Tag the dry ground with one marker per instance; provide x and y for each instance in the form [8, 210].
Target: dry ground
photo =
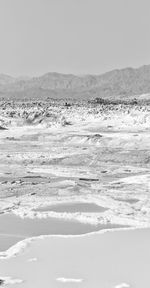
[51, 152]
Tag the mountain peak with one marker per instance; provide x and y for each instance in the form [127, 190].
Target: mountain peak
[116, 83]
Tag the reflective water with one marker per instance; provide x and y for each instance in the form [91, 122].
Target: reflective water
[130, 201]
[14, 228]
[7, 241]
[73, 208]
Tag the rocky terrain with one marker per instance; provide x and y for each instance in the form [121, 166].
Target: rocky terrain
[52, 152]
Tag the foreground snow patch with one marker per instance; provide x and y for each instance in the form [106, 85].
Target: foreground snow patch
[65, 280]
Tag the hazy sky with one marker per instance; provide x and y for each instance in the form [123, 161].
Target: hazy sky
[73, 36]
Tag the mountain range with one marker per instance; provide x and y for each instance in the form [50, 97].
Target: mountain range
[122, 84]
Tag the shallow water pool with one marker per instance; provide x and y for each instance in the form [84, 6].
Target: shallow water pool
[73, 208]
[13, 227]
[8, 240]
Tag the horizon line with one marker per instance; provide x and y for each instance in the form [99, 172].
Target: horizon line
[73, 74]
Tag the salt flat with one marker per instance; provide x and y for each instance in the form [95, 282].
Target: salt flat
[105, 260]
[52, 155]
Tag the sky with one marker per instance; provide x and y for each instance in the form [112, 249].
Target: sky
[73, 36]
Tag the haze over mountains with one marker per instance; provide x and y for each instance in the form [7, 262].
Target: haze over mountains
[114, 84]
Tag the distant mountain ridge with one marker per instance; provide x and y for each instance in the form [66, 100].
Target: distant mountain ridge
[121, 83]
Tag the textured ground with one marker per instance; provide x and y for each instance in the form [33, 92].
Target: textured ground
[51, 152]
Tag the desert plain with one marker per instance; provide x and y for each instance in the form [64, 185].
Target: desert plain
[74, 194]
